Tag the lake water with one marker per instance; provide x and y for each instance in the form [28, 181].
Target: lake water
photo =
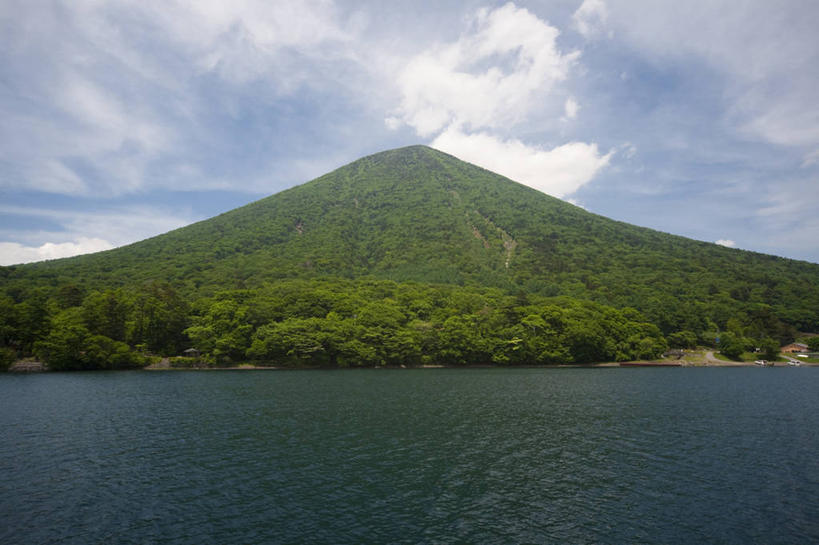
[411, 456]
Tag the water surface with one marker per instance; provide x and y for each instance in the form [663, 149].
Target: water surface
[411, 456]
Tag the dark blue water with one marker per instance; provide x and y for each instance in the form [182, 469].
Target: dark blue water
[411, 456]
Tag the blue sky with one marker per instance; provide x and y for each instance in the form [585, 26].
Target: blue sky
[120, 120]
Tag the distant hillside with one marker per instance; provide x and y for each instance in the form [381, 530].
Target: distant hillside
[416, 214]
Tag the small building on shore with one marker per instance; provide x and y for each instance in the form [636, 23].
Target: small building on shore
[191, 353]
[794, 348]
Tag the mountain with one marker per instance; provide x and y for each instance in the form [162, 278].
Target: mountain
[419, 215]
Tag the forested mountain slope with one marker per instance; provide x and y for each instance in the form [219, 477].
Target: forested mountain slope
[419, 214]
[416, 214]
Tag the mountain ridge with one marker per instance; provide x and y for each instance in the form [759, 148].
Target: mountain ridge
[418, 147]
[355, 164]
[416, 214]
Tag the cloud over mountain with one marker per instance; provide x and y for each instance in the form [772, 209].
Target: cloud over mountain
[110, 104]
[467, 93]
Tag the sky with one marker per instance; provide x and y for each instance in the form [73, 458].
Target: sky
[121, 120]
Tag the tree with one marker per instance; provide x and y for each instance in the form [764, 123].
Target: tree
[64, 346]
[105, 313]
[31, 320]
[102, 352]
[770, 349]
[586, 343]
[158, 319]
[682, 339]
[295, 341]
[8, 319]
[7, 357]
[459, 341]
[69, 295]
[223, 330]
[731, 346]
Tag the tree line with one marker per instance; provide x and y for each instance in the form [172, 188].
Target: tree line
[319, 323]
[338, 323]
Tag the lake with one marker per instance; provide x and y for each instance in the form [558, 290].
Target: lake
[680, 455]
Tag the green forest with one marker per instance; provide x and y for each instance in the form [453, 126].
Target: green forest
[338, 323]
[406, 257]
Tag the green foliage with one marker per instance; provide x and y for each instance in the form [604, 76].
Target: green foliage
[158, 318]
[731, 346]
[104, 313]
[8, 318]
[382, 323]
[813, 343]
[102, 352]
[91, 335]
[452, 264]
[682, 339]
[769, 349]
[416, 214]
[222, 329]
[7, 357]
[64, 346]
[181, 362]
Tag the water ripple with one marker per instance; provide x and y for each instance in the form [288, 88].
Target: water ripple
[437, 456]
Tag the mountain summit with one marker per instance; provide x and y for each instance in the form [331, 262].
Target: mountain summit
[417, 214]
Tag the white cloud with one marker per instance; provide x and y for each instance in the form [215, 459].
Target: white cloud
[392, 123]
[242, 40]
[590, 18]
[571, 108]
[13, 253]
[559, 171]
[123, 93]
[269, 25]
[493, 77]
[82, 231]
[490, 77]
[53, 176]
[109, 122]
[629, 150]
[787, 211]
[725, 242]
[781, 120]
[764, 52]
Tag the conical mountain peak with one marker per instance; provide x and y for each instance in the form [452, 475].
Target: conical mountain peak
[418, 214]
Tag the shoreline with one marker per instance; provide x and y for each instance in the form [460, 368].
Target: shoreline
[708, 360]
[602, 365]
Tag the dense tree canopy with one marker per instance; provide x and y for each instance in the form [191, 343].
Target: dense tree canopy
[335, 323]
[346, 323]
[409, 255]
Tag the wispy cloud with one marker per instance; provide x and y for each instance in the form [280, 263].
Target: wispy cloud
[766, 54]
[590, 18]
[83, 231]
[127, 95]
